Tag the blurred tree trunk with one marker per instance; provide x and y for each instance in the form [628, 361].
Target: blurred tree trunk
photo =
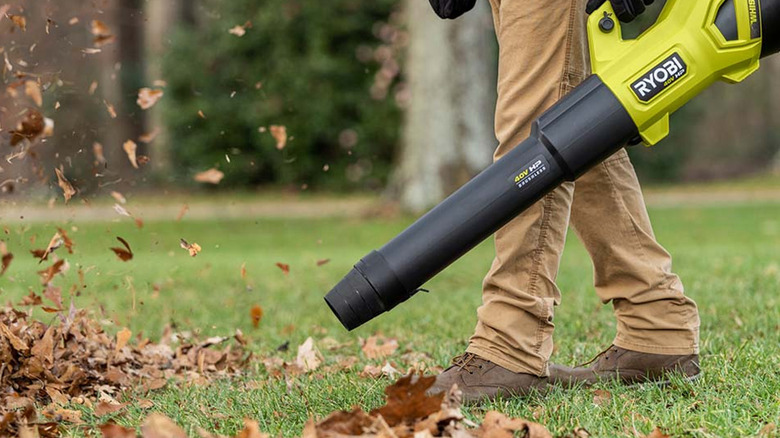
[448, 132]
[163, 16]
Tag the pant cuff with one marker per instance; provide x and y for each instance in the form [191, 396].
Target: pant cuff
[656, 349]
[536, 368]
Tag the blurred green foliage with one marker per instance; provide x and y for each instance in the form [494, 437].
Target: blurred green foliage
[296, 66]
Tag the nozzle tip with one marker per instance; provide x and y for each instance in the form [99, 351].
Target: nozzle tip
[354, 301]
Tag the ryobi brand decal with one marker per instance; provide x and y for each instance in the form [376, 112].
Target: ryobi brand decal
[661, 77]
[530, 172]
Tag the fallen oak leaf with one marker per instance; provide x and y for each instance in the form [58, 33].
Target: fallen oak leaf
[67, 188]
[211, 176]
[33, 90]
[193, 248]
[257, 314]
[30, 127]
[55, 243]
[407, 400]
[131, 149]
[160, 426]
[148, 97]
[376, 347]
[14, 340]
[657, 433]
[284, 267]
[125, 254]
[66, 240]
[5, 258]
[497, 424]
[113, 430]
[308, 358]
[279, 133]
[122, 338]
[237, 30]
[47, 275]
[102, 33]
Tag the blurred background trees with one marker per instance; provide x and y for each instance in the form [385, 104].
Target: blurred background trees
[364, 96]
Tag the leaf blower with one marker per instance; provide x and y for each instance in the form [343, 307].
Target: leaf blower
[636, 85]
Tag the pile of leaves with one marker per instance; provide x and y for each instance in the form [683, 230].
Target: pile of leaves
[408, 413]
[74, 361]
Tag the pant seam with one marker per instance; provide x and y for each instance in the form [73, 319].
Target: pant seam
[537, 258]
[626, 217]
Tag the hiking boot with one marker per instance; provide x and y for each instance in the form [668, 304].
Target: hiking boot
[629, 367]
[482, 380]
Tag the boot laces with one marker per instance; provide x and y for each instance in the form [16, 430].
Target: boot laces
[598, 356]
[465, 362]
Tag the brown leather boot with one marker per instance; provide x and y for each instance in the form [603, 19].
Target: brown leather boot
[630, 367]
[482, 380]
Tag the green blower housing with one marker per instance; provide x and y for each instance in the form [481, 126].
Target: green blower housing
[635, 87]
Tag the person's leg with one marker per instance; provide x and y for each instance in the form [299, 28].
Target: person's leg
[540, 59]
[631, 269]
[657, 325]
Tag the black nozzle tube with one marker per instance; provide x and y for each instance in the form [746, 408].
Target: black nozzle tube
[581, 130]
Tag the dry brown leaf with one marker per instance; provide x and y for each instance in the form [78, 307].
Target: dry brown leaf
[29, 128]
[118, 197]
[308, 358]
[54, 244]
[160, 426]
[376, 347]
[657, 433]
[122, 338]
[407, 401]
[102, 33]
[33, 90]
[497, 425]
[67, 188]
[97, 150]
[601, 397]
[323, 262]
[122, 211]
[131, 148]
[243, 270]
[184, 209]
[54, 294]
[284, 267]
[44, 349]
[66, 240]
[110, 108]
[19, 21]
[148, 97]
[193, 248]
[211, 176]
[237, 30]
[113, 430]
[280, 135]
[125, 254]
[47, 275]
[14, 340]
[201, 114]
[5, 258]
[257, 314]
[149, 136]
[66, 415]
[105, 408]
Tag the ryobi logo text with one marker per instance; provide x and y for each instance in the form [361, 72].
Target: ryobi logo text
[661, 77]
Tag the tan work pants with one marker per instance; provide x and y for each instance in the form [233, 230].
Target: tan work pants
[542, 56]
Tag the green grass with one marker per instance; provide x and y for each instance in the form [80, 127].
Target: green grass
[728, 257]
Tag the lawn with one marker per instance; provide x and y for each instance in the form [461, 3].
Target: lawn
[728, 257]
